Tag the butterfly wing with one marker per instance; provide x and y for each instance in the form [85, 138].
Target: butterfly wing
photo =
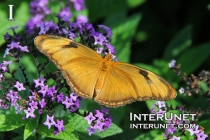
[79, 64]
[126, 83]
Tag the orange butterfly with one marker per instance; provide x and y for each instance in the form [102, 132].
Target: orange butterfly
[110, 83]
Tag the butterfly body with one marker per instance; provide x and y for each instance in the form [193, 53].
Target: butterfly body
[110, 83]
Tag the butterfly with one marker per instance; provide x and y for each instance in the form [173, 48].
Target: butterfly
[110, 83]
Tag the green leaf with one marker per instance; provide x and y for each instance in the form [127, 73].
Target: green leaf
[193, 58]
[151, 135]
[182, 41]
[205, 125]
[67, 134]
[29, 128]
[123, 31]
[81, 124]
[148, 67]
[98, 9]
[11, 121]
[21, 16]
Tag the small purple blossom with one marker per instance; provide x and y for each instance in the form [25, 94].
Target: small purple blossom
[39, 82]
[201, 136]
[30, 113]
[171, 129]
[161, 104]
[33, 105]
[172, 63]
[50, 121]
[99, 120]
[91, 130]
[59, 126]
[19, 86]
[42, 103]
[90, 118]
[65, 12]
[78, 4]
[99, 38]
[68, 102]
[44, 90]
[60, 97]
[193, 130]
[181, 90]
[51, 91]
[82, 19]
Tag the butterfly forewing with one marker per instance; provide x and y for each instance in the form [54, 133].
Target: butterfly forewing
[79, 64]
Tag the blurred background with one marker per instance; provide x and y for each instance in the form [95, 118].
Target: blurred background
[147, 34]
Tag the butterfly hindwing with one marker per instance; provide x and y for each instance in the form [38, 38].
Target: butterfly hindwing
[149, 85]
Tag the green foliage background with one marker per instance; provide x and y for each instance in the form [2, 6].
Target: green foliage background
[145, 33]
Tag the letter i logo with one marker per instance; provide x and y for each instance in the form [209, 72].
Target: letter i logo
[11, 12]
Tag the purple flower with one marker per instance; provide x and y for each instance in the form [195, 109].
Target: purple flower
[99, 38]
[172, 63]
[201, 136]
[104, 110]
[99, 115]
[160, 104]
[6, 63]
[33, 21]
[107, 30]
[30, 113]
[60, 97]
[50, 121]
[99, 125]
[46, 27]
[193, 130]
[39, 6]
[74, 96]
[43, 90]
[19, 86]
[59, 126]
[1, 77]
[171, 129]
[90, 118]
[7, 36]
[82, 19]
[39, 82]
[13, 95]
[51, 91]
[91, 130]
[42, 103]
[181, 90]
[33, 105]
[160, 111]
[110, 48]
[13, 45]
[65, 12]
[78, 4]
[68, 102]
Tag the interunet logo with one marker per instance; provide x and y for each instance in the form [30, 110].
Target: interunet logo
[161, 117]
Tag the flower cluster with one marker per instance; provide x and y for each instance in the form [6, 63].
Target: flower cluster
[193, 86]
[40, 10]
[41, 98]
[173, 130]
[100, 120]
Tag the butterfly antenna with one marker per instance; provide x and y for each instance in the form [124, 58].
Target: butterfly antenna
[127, 46]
